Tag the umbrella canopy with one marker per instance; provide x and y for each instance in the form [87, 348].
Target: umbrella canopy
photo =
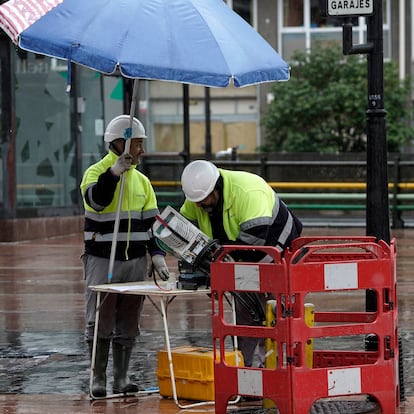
[200, 42]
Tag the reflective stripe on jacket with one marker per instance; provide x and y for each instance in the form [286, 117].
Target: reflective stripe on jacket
[252, 212]
[100, 190]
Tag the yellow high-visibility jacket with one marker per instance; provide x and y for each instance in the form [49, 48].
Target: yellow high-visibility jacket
[100, 191]
[252, 213]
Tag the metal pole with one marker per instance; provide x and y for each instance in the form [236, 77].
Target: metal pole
[377, 212]
[185, 153]
[208, 122]
[122, 186]
[128, 86]
[377, 207]
[377, 203]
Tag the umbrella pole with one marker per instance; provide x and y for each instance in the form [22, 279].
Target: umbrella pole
[121, 190]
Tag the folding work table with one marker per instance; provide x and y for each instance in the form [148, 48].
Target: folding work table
[165, 294]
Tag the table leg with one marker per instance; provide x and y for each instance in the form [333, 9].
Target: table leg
[170, 362]
[167, 344]
[95, 340]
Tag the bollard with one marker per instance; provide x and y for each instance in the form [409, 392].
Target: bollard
[270, 345]
[310, 321]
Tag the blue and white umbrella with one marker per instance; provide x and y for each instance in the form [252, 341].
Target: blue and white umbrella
[199, 42]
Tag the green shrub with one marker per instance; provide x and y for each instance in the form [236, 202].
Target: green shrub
[322, 108]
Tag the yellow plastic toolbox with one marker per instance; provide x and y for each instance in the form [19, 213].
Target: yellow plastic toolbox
[193, 372]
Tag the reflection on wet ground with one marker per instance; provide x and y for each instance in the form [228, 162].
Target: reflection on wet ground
[42, 351]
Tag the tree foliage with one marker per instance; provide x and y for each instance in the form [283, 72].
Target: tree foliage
[322, 108]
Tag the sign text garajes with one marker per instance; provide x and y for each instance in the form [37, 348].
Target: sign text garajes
[350, 7]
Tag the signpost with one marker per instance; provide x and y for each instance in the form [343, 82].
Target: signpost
[377, 207]
[377, 204]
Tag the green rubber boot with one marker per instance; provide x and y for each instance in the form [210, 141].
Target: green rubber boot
[121, 355]
[98, 389]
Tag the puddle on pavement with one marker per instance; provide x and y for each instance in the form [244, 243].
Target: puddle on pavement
[47, 363]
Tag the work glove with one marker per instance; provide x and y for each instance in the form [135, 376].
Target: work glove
[123, 163]
[158, 261]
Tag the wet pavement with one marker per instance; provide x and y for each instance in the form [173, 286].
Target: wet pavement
[44, 363]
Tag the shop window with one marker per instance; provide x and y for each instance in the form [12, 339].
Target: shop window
[293, 13]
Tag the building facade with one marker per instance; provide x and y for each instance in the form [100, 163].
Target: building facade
[50, 136]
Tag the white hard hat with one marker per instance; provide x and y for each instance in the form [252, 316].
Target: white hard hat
[199, 179]
[118, 128]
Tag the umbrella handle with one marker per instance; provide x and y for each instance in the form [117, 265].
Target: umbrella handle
[121, 190]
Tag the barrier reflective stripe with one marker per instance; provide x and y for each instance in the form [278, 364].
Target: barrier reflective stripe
[246, 277]
[250, 382]
[341, 276]
[344, 381]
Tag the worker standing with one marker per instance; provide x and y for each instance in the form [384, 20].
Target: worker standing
[238, 207]
[100, 188]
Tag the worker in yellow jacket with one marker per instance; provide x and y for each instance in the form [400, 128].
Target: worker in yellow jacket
[238, 207]
[100, 188]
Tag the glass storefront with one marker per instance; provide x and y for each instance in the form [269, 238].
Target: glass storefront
[43, 140]
[47, 122]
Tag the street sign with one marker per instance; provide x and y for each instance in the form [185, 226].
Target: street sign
[345, 8]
